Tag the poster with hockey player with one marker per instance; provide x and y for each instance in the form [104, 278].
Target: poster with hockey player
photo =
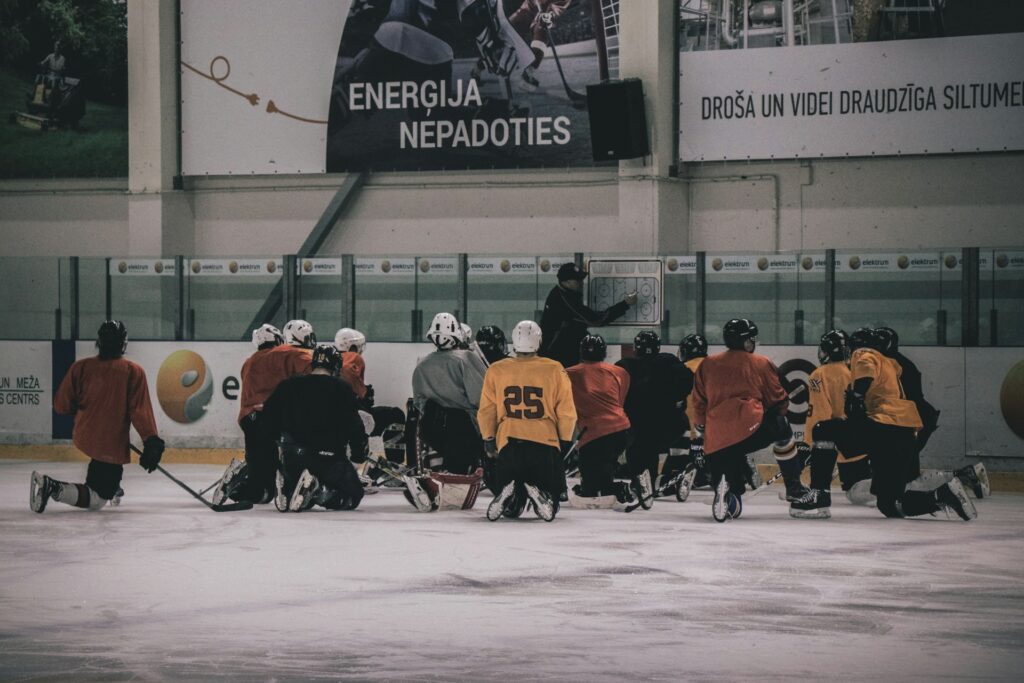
[336, 85]
[462, 84]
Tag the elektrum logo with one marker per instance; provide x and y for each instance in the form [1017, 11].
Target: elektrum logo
[184, 386]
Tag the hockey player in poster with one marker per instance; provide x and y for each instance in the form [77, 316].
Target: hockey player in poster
[599, 391]
[739, 407]
[884, 422]
[446, 389]
[659, 384]
[314, 418]
[106, 393]
[527, 417]
[273, 362]
[533, 21]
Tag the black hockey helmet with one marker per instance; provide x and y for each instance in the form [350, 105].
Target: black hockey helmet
[863, 338]
[112, 339]
[646, 344]
[833, 347]
[693, 346]
[888, 340]
[491, 340]
[328, 357]
[592, 347]
[737, 332]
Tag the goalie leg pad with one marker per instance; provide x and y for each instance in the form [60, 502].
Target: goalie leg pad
[457, 491]
[860, 493]
[417, 494]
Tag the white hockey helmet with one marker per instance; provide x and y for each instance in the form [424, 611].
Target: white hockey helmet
[444, 332]
[346, 338]
[526, 337]
[266, 334]
[299, 333]
[466, 333]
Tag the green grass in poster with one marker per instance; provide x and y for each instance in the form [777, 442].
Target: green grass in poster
[98, 150]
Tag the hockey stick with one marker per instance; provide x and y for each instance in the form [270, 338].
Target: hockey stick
[578, 100]
[229, 507]
[572, 447]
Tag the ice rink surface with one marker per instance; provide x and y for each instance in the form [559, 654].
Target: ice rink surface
[163, 589]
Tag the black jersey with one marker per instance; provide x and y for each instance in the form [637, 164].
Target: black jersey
[657, 386]
[319, 412]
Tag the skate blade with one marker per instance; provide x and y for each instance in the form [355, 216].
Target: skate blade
[820, 513]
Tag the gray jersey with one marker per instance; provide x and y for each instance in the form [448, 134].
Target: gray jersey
[452, 379]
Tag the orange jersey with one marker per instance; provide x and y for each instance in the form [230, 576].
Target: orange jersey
[265, 369]
[106, 396]
[885, 401]
[732, 391]
[827, 388]
[692, 364]
[599, 393]
[353, 371]
[527, 398]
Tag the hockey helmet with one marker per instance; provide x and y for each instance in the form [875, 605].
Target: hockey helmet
[862, 338]
[327, 357]
[491, 340]
[888, 340]
[266, 336]
[346, 338]
[738, 332]
[465, 335]
[833, 347]
[693, 346]
[112, 339]
[445, 332]
[299, 333]
[593, 348]
[646, 344]
[526, 336]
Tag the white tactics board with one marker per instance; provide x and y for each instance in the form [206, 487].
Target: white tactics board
[612, 280]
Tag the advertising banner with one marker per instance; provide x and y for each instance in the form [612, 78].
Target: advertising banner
[26, 392]
[510, 265]
[339, 85]
[318, 266]
[235, 267]
[933, 96]
[134, 267]
[385, 266]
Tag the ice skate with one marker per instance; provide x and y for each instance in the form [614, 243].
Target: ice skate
[720, 505]
[952, 496]
[644, 490]
[975, 478]
[281, 499]
[417, 495]
[302, 497]
[793, 491]
[543, 506]
[529, 78]
[814, 504]
[734, 505]
[118, 495]
[685, 485]
[497, 506]
[41, 489]
[229, 481]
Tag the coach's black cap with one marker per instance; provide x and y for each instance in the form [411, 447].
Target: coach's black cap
[570, 271]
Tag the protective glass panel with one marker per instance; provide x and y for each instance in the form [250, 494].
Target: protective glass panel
[897, 290]
[679, 291]
[225, 294]
[501, 291]
[437, 289]
[763, 288]
[320, 293]
[385, 295]
[143, 295]
[30, 292]
[1006, 273]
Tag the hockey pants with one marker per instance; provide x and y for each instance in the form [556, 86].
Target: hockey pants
[598, 460]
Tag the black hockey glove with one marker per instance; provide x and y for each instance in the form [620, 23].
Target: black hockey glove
[152, 451]
[697, 449]
[855, 406]
[368, 398]
[491, 448]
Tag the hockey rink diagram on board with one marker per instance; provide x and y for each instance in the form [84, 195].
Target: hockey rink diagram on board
[611, 281]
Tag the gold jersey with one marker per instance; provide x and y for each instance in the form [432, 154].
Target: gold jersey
[885, 401]
[692, 364]
[827, 389]
[528, 398]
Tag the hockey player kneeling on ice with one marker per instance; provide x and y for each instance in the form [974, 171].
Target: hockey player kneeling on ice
[314, 417]
[446, 390]
[106, 393]
[599, 392]
[885, 421]
[273, 362]
[490, 339]
[526, 413]
[740, 407]
[658, 385]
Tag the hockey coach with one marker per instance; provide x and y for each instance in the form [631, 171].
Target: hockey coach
[566, 318]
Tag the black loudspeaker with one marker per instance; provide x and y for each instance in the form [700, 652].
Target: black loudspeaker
[618, 123]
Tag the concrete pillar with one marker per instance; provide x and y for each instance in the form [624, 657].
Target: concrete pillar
[652, 204]
[159, 218]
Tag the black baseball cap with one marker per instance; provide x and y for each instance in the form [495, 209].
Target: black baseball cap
[570, 271]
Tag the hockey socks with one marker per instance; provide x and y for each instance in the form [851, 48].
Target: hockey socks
[43, 488]
[791, 464]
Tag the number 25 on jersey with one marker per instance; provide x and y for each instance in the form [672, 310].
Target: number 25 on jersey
[523, 403]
